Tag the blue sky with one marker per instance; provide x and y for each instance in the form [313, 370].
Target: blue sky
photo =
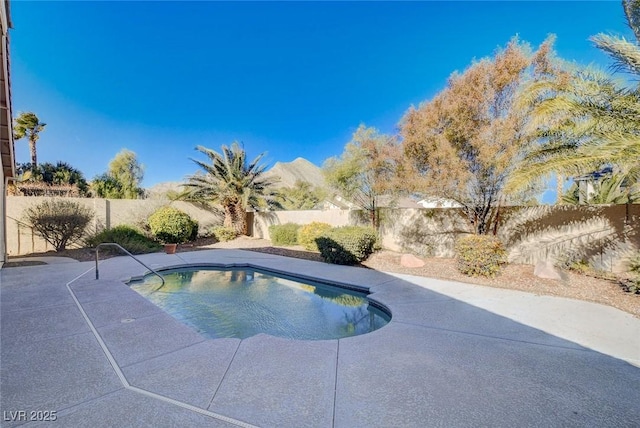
[290, 79]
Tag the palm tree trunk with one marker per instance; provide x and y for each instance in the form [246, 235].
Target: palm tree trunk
[228, 217]
[235, 218]
[34, 156]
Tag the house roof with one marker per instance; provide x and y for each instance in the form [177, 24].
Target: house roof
[7, 154]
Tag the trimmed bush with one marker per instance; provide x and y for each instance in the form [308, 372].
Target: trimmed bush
[347, 245]
[59, 222]
[284, 234]
[128, 237]
[224, 234]
[172, 226]
[308, 234]
[480, 255]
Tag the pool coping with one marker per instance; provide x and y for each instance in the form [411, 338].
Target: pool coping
[401, 295]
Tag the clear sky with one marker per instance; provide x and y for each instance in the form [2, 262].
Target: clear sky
[290, 79]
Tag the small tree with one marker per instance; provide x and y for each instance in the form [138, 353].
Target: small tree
[59, 222]
[365, 170]
[123, 179]
[302, 196]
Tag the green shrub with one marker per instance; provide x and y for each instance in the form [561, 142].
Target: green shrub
[347, 245]
[284, 234]
[172, 226]
[308, 234]
[128, 237]
[59, 222]
[574, 262]
[224, 234]
[480, 255]
[634, 267]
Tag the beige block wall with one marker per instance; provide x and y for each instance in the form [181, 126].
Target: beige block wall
[108, 213]
[605, 236]
[262, 220]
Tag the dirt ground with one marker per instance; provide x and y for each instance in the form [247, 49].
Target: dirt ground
[513, 276]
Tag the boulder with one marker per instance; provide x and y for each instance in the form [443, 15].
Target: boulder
[410, 261]
[545, 269]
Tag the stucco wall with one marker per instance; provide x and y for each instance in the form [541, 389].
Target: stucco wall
[604, 235]
[108, 213]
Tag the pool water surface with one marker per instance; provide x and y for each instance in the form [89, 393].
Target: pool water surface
[241, 303]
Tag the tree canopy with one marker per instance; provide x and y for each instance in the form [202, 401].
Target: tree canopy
[302, 196]
[463, 144]
[592, 120]
[122, 180]
[47, 179]
[366, 169]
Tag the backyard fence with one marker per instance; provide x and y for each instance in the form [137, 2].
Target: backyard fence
[605, 236]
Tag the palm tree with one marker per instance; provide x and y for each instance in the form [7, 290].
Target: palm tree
[586, 119]
[229, 181]
[610, 190]
[28, 125]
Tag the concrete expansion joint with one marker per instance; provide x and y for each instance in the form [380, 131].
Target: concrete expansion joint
[125, 382]
[69, 409]
[233, 357]
[335, 386]
[156, 356]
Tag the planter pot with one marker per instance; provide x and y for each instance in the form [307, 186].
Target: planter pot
[170, 248]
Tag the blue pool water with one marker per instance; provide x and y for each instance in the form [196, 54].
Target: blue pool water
[244, 302]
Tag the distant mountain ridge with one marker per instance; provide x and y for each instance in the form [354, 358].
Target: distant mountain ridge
[300, 169]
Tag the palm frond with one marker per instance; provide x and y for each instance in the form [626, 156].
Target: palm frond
[625, 54]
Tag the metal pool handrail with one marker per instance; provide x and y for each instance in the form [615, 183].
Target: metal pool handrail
[113, 244]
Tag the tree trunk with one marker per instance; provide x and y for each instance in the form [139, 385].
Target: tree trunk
[373, 218]
[34, 156]
[235, 218]
[240, 219]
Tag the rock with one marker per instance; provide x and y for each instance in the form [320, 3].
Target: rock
[546, 270]
[410, 261]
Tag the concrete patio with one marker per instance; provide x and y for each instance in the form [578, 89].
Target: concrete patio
[98, 354]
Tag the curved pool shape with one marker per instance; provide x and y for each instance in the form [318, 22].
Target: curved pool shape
[244, 302]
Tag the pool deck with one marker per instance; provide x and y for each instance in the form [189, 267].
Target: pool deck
[98, 354]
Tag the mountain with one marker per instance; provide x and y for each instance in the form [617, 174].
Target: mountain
[298, 169]
[159, 191]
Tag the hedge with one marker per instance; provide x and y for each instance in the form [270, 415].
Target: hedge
[347, 245]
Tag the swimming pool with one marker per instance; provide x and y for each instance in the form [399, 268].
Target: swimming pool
[244, 302]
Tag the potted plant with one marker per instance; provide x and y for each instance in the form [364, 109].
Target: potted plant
[170, 248]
